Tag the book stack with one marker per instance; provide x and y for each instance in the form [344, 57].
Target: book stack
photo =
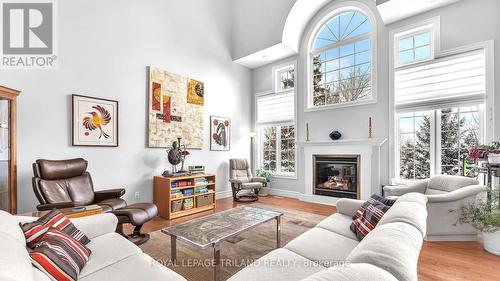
[174, 194]
[201, 185]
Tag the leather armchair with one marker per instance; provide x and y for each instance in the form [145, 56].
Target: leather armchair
[245, 186]
[446, 195]
[66, 183]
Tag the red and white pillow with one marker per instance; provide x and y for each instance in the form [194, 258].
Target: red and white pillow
[34, 231]
[369, 214]
[59, 255]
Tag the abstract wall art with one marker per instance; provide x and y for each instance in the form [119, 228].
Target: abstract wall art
[175, 110]
[95, 121]
[220, 133]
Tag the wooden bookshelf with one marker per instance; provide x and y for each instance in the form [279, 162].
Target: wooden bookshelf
[164, 186]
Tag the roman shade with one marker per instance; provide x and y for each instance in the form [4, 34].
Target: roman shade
[456, 78]
[274, 108]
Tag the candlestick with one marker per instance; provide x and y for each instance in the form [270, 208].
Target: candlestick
[369, 127]
[307, 131]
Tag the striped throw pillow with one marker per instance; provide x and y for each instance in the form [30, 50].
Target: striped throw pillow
[34, 231]
[59, 256]
[362, 225]
[374, 198]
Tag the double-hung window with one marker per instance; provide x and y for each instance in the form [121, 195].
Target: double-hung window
[276, 131]
[439, 113]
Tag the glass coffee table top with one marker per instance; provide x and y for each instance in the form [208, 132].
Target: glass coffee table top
[205, 231]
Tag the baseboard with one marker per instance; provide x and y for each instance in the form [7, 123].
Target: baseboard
[223, 194]
[438, 238]
[285, 193]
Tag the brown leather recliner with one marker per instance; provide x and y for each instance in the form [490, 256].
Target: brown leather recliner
[66, 183]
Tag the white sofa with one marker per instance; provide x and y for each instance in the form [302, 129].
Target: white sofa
[446, 195]
[113, 257]
[331, 252]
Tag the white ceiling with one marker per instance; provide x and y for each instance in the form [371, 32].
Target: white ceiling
[303, 10]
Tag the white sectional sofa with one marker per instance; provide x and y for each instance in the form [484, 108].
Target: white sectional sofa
[331, 252]
[113, 257]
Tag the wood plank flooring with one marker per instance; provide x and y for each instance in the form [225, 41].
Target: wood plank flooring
[457, 261]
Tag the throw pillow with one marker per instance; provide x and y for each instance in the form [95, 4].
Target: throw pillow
[374, 198]
[369, 219]
[59, 256]
[34, 231]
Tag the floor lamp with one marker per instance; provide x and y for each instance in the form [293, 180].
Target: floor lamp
[252, 136]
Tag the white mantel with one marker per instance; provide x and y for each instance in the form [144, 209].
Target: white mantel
[369, 168]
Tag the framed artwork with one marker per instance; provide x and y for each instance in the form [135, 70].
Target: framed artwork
[220, 133]
[94, 121]
[175, 109]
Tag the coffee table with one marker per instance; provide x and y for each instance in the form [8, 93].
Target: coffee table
[211, 230]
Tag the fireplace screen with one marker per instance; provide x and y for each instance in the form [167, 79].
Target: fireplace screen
[336, 176]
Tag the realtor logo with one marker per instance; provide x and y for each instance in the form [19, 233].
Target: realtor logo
[28, 35]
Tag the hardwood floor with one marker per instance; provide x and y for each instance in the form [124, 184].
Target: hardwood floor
[457, 261]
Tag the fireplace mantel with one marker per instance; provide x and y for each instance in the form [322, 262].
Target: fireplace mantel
[372, 142]
[369, 152]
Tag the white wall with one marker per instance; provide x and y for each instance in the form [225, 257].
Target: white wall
[104, 48]
[463, 23]
[258, 24]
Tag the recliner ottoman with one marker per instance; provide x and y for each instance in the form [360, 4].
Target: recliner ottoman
[137, 215]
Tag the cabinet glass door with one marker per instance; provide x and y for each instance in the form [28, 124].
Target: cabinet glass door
[4, 155]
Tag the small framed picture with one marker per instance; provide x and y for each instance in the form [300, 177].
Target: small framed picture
[220, 133]
[94, 121]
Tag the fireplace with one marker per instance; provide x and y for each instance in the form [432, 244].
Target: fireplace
[336, 175]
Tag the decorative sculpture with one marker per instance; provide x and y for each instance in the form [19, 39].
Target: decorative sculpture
[177, 155]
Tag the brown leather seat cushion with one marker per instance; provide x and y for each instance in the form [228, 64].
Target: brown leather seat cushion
[136, 214]
[113, 203]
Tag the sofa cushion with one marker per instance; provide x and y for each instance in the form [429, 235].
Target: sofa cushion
[59, 255]
[369, 219]
[39, 275]
[393, 247]
[108, 249]
[450, 183]
[34, 231]
[15, 264]
[322, 246]
[10, 227]
[136, 267]
[352, 272]
[417, 217]
[280, 264]
[339, 224]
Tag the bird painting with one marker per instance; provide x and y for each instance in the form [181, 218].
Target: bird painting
[98, 120]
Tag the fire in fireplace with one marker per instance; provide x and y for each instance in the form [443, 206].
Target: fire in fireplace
[336, 175]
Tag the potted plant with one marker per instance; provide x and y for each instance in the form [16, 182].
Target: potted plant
[484, 215]
[264, 191]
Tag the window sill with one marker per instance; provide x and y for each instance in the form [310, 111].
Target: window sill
[285, 176]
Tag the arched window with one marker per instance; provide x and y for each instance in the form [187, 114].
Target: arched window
[341, 58]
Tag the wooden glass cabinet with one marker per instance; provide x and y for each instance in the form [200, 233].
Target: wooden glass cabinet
[8, 166]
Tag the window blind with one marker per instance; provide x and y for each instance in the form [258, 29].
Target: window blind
[275, 108]
[452, 79]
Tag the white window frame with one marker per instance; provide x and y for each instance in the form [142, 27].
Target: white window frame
[276, 72]
[431, 25]
[488, 115]
[333, 10]
[435, 137]
[278, 173]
